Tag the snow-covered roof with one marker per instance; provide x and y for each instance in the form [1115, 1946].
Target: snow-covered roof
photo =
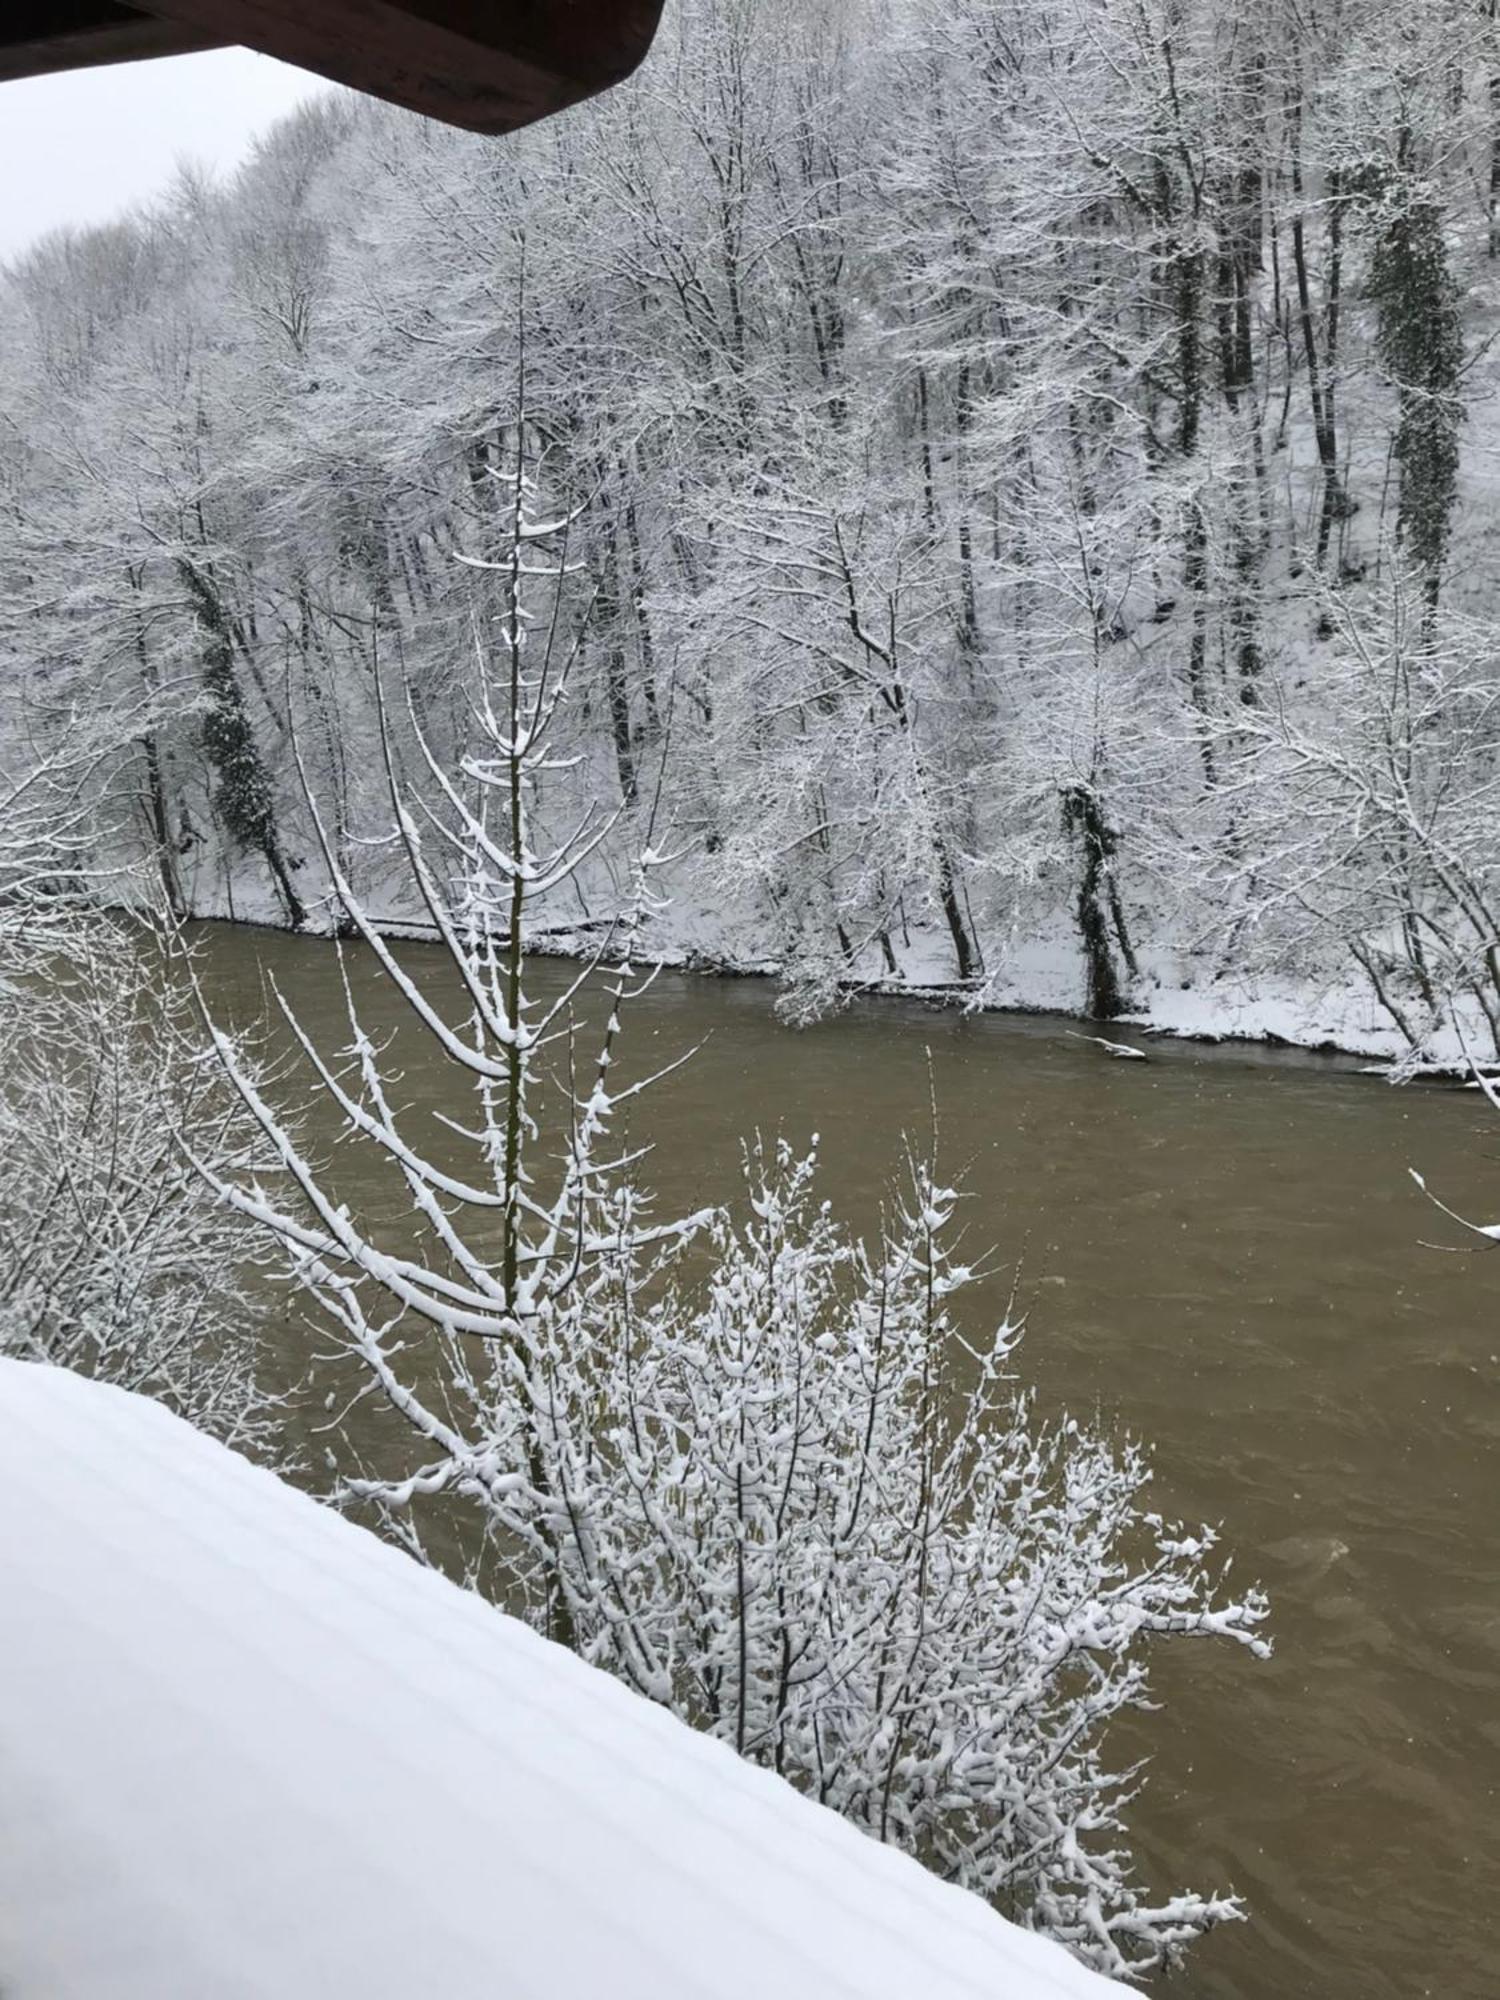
[246, 1748]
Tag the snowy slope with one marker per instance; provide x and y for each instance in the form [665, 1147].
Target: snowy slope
[248, 1749]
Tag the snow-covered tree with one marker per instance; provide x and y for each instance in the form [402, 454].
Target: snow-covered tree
[1367, 816]
[1125, 344]
[754, 1467]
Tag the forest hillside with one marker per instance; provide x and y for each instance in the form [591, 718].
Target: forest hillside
[1027, 478]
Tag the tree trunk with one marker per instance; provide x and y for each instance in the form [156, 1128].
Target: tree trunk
[242, 796]
[1083, 818]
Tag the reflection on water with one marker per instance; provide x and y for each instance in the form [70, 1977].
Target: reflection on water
[1221, 1251]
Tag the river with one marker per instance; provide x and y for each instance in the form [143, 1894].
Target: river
[1221, 1251]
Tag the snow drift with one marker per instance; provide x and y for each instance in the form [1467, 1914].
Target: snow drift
[248, 1749]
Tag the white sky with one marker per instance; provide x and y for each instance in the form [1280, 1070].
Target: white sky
[85, 145]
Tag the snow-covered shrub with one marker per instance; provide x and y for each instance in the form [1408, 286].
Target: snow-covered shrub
[115, 1258]
[803, 1510]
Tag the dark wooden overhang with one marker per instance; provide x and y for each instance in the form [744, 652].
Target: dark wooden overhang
[490, 65]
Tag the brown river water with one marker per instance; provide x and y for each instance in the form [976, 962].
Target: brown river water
[1221, 1251]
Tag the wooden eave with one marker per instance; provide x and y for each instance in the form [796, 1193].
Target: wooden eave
[488, 65]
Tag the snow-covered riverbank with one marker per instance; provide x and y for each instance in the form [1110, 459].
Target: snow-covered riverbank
[1177, 995]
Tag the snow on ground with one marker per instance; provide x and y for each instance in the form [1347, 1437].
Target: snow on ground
[247, 1749]
[1179, 993]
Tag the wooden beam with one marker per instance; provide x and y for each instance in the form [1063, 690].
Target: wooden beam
[38, 36]
[490, 65]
